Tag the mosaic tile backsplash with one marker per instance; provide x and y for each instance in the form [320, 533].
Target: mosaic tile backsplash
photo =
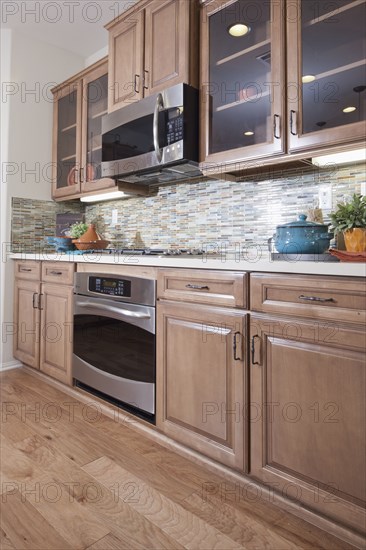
[202, 214]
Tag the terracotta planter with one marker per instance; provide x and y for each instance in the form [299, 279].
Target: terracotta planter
[355, 239]
[91, 240]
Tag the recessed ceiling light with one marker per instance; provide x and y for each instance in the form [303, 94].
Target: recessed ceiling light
[349, 109]
[238, 29]
[308, 78]
[249, 133]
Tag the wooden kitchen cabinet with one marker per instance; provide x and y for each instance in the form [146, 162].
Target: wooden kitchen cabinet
[201, 375]
[307, 387]
[151, 47]
[43, 317]
[328, 44]
[79, 105]
[262, 100]
[242, 104]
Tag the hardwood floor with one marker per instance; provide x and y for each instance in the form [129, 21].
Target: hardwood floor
[73, 478]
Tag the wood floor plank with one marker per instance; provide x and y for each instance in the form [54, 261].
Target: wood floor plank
[98, 501]
[5, 542]
[33, 531]
[170, 517]
[173, 508]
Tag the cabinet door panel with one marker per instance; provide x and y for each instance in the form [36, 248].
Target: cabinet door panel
[200, 386]
[67, 140]
[166, 44]
[26, 322]
[241, 81]
[125, 68]
[327, 72]
[56, 331]
[308, 420]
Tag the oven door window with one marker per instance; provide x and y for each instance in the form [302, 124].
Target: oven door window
[115, 347]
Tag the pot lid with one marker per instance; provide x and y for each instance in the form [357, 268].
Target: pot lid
[301, 222]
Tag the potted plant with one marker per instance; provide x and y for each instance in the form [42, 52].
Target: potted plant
[350, 219]
[78, 229]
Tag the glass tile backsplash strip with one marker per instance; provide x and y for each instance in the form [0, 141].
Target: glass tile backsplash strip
[212, 213]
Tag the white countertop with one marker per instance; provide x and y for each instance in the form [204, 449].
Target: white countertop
[232, 262]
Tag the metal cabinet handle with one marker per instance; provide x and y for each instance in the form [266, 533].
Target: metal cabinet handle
[277, 126]
[198, 287]
[253, 350]
[137, 76]
[25, 269]
[81, 177]
[146, 79]
[76, 176]
[40, 302]
[293, 123]
[34, 300]
[56, 272]
[235, 346]
[315, 299]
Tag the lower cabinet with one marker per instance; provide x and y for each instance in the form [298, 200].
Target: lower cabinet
[308, 416]
[201, 379]
[43, 315]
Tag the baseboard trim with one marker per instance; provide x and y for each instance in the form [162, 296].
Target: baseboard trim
[10, 365]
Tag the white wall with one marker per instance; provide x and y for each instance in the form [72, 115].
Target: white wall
[31, 68]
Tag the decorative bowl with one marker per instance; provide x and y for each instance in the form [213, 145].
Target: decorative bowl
[302, 237]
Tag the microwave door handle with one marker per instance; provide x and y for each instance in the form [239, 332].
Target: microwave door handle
[159, 106]
[117, 310]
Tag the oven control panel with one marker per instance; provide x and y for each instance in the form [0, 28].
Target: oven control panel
[110, 285]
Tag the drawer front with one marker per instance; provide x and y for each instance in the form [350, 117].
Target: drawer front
[27, 270]
[333, 298]
[58, 272]
[205, 287]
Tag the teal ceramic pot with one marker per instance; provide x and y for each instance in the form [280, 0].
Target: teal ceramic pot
[302, 237]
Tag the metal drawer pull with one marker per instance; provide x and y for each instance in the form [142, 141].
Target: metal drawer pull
[136, 90]
[40, 302]
[25, 269]
[198, 287]
[315, 299]
[235, 346]
[56, 272]
[34, 300]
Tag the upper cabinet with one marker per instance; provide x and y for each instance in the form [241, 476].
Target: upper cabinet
[151, 47]
[265, 93]
[79, 105]
[326, 72]
[242, 68]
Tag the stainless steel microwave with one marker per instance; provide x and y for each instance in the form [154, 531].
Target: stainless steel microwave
[154, 139]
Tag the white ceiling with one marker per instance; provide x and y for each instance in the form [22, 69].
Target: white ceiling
[75, 25]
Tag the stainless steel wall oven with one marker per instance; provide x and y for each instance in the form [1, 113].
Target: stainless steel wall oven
[114, 340]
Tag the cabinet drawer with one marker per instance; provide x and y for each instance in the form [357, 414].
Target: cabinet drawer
[205, 287]
[27, 270]
[334, 298]
[58, 272]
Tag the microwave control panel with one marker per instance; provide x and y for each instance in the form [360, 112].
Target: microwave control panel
[174, 125]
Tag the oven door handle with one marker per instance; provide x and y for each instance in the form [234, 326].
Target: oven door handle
[117, 310]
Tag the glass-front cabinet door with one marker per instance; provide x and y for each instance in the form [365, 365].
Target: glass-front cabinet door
[241, 80]
[67, 140]
[326, 86]
[95, 106]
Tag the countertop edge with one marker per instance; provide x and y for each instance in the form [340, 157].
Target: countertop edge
[224, 263]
